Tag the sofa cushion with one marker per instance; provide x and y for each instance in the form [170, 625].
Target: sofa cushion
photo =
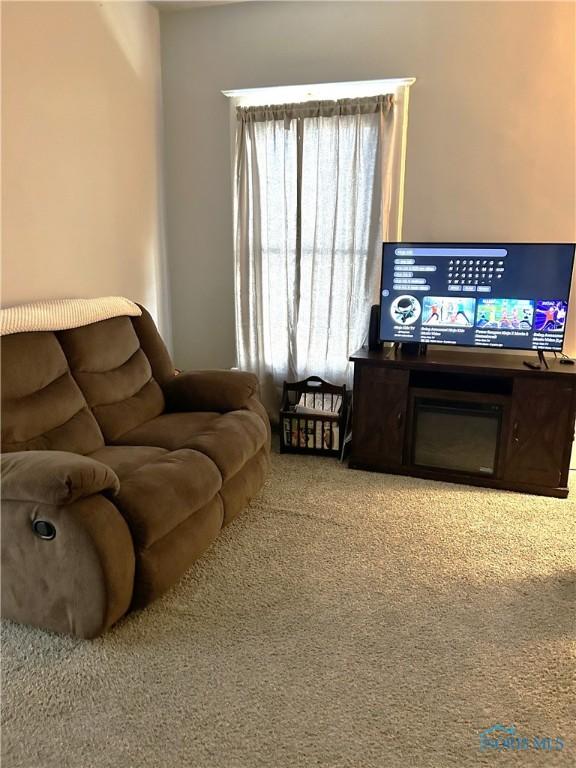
[160, 495]
[160, 565]
[42, 406]
[114, 374]
[124, 459]
[229, 439]
[237, 492]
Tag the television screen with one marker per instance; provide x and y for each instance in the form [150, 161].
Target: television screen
[512, 295]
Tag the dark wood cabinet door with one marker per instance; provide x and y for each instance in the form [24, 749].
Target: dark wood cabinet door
[540, 432]
[380, 402]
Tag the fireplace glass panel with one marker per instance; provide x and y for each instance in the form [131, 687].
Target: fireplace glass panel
[456, 435]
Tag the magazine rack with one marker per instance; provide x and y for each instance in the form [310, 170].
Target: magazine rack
[313, 417]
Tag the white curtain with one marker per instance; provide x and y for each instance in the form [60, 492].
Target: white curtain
[308, 204]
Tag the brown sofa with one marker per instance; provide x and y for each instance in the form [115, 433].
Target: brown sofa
[116, 473]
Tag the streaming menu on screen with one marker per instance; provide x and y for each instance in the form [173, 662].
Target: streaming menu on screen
[513, 296]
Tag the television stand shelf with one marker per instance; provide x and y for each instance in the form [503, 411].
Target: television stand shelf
[465, 417]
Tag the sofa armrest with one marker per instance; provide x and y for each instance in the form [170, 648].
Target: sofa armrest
[210, 391]
[54, 477]
[67, 554]
[79, 580]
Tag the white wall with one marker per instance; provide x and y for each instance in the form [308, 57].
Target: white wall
[491, 146]
[80, 89]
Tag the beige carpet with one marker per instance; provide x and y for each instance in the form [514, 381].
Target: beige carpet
[347, 619]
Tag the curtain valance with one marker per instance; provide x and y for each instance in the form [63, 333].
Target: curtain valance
[367, 105]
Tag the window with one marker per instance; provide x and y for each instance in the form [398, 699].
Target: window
[317, 186]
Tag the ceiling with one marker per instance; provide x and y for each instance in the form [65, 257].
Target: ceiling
[186, 5]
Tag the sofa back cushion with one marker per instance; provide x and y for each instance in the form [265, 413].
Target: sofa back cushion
[42, 406]
[114, 374]
[153, 347]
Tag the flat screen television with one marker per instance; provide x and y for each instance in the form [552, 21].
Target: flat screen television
[506, 295]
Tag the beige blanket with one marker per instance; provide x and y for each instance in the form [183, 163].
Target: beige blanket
[60, 314]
